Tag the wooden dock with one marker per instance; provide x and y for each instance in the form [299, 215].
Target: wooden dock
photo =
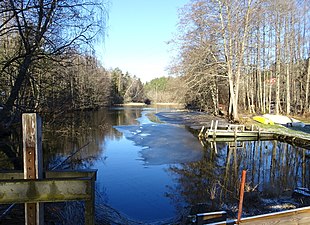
[233, 132]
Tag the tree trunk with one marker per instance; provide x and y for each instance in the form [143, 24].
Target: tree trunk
[258, 72]
[306, 105]
[288, 91]
[278, 66]
[8, 106]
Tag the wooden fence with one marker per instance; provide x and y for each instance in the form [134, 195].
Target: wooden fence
[33, 186]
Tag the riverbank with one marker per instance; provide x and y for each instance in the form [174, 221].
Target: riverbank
[192, 119]
[299, 136]
[196, 120]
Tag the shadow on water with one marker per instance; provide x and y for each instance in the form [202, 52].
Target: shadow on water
[156, 173]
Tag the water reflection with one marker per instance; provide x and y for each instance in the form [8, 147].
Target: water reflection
[82, 134]
[274, 170]
[134, 175]
[150, 171]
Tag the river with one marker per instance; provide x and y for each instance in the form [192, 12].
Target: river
[150, 172]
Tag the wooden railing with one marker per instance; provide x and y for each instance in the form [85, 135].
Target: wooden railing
[33, 186]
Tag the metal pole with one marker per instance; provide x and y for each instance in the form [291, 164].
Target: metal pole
[241, 195]
[33, 169]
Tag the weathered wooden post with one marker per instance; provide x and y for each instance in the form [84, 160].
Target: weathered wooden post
[90, 204]
[33, 163]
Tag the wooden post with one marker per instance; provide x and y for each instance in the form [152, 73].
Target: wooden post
[241, 195]
[209, 131]
[90, 205]
[215, 129]
[201, 131]
[33, 163]
[215, 147]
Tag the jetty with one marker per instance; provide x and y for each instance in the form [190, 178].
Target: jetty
[233, 133]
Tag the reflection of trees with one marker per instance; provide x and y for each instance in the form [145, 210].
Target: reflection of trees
[68, 133]
[273, 169]
[199, 182]
[125, 116]
[11, 151]
[84, 132]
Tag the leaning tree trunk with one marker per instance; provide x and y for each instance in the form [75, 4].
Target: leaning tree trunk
[9, 104]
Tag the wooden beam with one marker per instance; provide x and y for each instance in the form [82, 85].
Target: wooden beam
[48, 190]
[89, 173]
[299, 216]
[232, 139]
[211, 217]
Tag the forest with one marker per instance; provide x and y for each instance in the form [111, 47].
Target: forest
[245, 55]
[230, 56]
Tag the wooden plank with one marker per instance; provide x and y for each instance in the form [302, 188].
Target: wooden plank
[91, 173]
[230, 133]
[33, 162]
[211, 217]
[228, 222]
[299, 216]
[20, 191]
[232, 139]
[10, 175]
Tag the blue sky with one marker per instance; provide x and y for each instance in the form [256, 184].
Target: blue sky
[137, 34]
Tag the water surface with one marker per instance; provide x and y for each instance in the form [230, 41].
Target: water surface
[153, 172]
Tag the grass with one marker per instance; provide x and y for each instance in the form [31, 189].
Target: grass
[278, 129]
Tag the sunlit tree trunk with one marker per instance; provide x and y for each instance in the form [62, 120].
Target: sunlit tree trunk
[306, 105]
[258, 72]
[278, 64]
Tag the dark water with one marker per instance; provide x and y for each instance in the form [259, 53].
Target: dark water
[156, 172]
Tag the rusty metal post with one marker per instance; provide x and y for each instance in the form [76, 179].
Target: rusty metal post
[241, 195]
[33, 162]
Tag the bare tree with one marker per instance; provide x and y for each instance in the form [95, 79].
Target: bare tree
[45, 29]
[260, 47]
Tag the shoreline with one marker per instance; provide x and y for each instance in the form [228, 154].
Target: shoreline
[153, 104]
[196, 120]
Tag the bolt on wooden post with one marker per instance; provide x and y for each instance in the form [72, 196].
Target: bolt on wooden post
[33, 162]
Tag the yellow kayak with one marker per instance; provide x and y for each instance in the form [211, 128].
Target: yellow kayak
[263, 120]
